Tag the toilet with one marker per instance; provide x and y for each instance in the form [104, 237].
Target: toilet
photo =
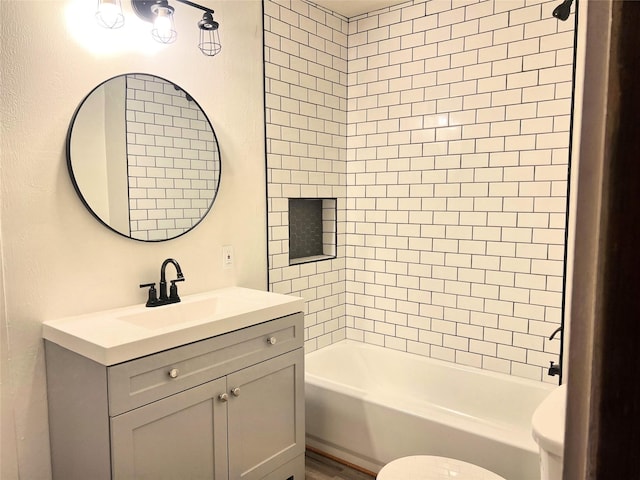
[427, 467]
[547, 427]
[547, 430]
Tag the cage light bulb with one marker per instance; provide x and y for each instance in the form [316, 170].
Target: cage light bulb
[109, 14]
[163, 29]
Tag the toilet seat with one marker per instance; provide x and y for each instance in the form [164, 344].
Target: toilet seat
[427, 467]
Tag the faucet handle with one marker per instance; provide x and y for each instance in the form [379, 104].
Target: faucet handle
[152, 300]
[173, 289]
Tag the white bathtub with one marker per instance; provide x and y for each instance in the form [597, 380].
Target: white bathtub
[369, 405]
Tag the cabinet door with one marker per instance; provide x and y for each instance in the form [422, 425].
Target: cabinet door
[179, 437]
[266, 416]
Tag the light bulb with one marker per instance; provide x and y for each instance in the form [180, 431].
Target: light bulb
[163, 29]
[109, 14]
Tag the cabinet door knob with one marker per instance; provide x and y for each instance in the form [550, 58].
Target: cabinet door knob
[223, 397]
[272, 340]
[235, 391]
[173, 373]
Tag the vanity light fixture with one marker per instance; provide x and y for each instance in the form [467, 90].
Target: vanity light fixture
[164, 30]
[209, 37]
[160, 13]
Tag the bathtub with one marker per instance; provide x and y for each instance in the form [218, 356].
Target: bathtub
[368, 405]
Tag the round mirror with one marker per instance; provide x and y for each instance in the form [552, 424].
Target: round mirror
[143, 157]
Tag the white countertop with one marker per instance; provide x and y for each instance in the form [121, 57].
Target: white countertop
[122, 334]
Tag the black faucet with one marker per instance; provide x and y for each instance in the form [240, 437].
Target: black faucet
[153, 300]
[555, 332]
[173, 291]
[553, 368]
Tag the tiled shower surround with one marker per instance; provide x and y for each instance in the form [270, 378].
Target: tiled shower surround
[173, 159]
[442, 127]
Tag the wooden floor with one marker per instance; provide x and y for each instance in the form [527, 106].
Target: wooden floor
[318, 467]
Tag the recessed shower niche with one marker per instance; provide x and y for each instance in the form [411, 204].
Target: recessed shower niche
[312, 229]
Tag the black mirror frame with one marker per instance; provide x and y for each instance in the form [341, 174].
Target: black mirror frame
[77, 187]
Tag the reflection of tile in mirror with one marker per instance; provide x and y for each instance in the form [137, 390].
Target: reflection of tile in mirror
[172, 157]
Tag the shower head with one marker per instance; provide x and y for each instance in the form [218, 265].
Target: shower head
[562, 11]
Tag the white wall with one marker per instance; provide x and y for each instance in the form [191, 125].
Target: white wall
[57, 260]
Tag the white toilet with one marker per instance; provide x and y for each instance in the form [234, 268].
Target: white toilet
[547, 429]
[426, 467]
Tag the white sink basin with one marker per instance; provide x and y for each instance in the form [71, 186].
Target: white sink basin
[119, 335]
[175, 313]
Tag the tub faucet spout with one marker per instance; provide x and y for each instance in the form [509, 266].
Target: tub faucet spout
[554, 369]
[555, 332]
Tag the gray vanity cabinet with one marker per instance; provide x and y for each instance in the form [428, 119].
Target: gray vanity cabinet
[181, 436]
[229, 407]
[264, 421]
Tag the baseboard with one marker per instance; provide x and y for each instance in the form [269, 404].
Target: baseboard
[332, 456]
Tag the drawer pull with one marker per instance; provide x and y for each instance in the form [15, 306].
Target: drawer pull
[173, 373]
[272, 340]
[235, 391]
[223, 397]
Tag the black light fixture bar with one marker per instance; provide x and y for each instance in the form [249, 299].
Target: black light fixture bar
[142, 8]
[195, 5]
[209, 41]
[109, 15]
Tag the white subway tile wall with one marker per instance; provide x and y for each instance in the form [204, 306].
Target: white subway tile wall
[173, 159]
[447, 148]
[306, 110]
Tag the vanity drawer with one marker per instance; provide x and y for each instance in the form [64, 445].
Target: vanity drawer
[147, 379]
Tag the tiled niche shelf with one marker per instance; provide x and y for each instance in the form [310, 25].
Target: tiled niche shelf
[312, 229]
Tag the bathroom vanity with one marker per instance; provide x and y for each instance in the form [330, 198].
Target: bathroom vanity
[209, 388]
